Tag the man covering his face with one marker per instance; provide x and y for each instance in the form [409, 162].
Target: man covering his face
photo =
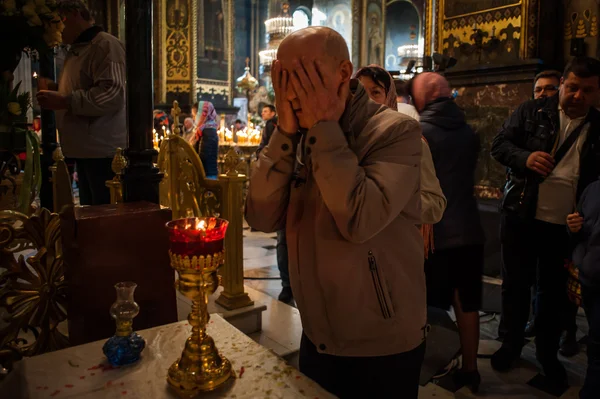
[341, 175]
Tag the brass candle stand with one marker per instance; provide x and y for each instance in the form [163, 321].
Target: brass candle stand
[200, 368]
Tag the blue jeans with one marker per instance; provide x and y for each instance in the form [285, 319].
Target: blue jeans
[591, 305]
[282, 258]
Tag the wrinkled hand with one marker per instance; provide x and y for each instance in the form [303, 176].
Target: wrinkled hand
[52, 100]
[574, 222]
[540, 162]
[286, 119]
[321, 101]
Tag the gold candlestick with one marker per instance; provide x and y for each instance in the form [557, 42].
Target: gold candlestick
[196, 254]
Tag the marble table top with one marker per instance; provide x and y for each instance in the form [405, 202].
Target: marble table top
[83, 372]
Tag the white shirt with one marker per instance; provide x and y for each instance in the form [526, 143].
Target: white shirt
[409, 110]
[558, 192]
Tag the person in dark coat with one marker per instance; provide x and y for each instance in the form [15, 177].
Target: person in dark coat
[584, 226]
[208, 139]
[454, 270]
[551, 147]
[269, 116]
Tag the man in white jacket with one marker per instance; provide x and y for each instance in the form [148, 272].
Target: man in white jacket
[89, 101]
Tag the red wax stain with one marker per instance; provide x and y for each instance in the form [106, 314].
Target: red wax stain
[102, 367]
[242, 371]
[68, 386]
[55, 392]
[124, 393]
[82, 377]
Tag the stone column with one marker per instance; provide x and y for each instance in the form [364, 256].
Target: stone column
[141, 178]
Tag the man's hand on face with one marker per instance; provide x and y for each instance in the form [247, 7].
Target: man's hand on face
[321, 100]
[574, 222]
[540, 162]
[52, 100]
[287, 123]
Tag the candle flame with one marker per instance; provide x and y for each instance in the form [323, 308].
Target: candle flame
[35, 75]
[201, 225]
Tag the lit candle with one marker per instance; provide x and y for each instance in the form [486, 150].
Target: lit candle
[197, 236]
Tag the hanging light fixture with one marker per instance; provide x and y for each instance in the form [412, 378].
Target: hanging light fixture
[277, 29]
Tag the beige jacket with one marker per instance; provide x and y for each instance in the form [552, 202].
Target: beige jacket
[351, 208]
[433, 201]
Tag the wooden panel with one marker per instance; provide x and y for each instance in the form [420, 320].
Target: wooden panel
[112, 243]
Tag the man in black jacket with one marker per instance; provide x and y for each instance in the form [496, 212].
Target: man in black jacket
[551, 147]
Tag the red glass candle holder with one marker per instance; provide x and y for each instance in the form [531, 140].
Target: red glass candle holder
[197, 236]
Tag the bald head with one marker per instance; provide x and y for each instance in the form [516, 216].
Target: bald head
[316, 45]
[315, 41]
[428, 87]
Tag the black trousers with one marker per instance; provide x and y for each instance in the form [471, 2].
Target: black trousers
[591, 304]
[527, 246]
[93, 174]
[394, 376]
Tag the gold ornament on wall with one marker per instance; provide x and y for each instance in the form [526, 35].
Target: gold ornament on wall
[580, 33]
[568, 31]
[594, 26]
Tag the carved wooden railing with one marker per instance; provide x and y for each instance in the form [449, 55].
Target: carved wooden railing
[32, 276]
[32, 288]
[186, 190]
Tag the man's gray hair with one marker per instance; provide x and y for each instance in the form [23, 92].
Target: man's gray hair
[75, 5]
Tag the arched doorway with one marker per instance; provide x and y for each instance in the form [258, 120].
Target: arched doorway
[403, 31]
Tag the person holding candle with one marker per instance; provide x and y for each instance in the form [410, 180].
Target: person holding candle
[207, 138]
[89, 100]
[341, 175]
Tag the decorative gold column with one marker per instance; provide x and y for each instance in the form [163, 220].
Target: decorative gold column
[115, 185]
[62, 194]
[232, 183]
[174, 49]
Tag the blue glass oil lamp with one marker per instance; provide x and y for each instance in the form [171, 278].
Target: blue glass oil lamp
[126, 346]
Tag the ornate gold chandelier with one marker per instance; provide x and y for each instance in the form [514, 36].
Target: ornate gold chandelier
[277, 29]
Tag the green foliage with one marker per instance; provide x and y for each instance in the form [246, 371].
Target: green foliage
[10, 113]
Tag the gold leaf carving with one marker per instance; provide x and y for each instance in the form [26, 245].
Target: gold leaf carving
[33, 290]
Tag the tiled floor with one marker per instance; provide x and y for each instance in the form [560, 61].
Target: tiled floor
[260, 264]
